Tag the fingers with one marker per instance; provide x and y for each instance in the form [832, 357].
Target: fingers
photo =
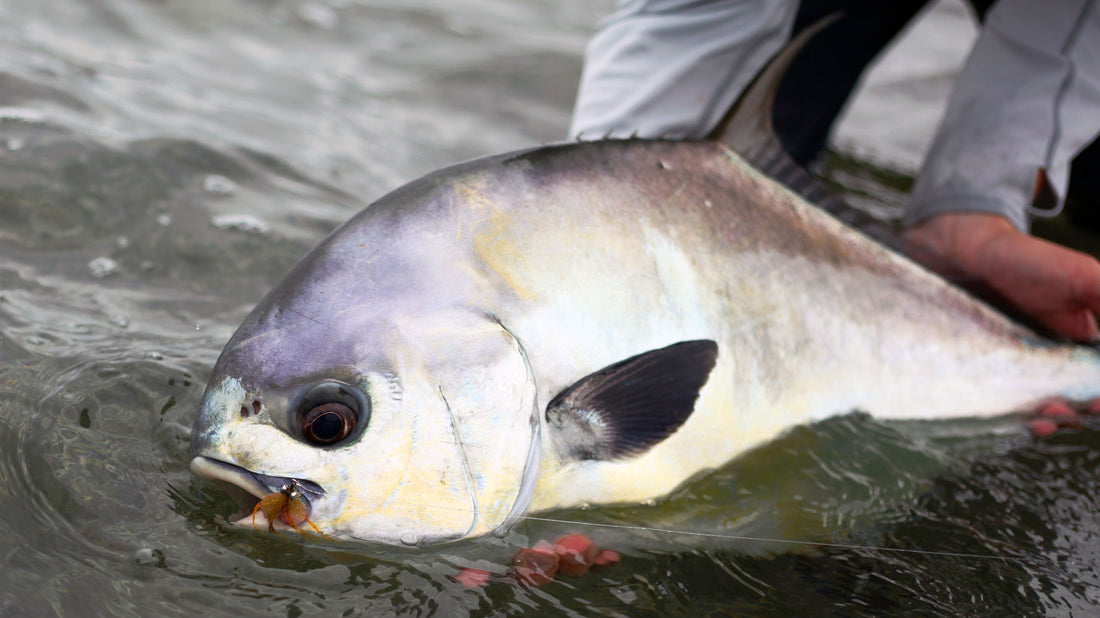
[576, 553]
[1076, 325]
[1056, 286]
[1055, 415]
[573, 555]
[1082, 276]
[473, 578]
[536, 566]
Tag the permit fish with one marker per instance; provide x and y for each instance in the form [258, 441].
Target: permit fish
[585, 323]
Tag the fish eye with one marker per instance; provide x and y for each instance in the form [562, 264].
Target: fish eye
[330, 412]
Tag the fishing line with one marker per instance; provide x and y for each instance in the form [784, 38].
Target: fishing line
[755, 539]
[738, 537]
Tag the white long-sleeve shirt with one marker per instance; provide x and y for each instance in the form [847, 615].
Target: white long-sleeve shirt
[1027, 99]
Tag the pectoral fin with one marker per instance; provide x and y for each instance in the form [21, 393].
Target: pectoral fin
[626, 408]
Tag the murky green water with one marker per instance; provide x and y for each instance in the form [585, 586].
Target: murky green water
[163, 163]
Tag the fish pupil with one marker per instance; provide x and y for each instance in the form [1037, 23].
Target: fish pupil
[327, 426]
[328, 423]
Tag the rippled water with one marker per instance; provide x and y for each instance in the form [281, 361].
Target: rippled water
[163, 163]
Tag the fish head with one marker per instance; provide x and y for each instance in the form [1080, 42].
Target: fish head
[393, 428]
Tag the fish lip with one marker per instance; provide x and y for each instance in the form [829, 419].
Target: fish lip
[248, 487]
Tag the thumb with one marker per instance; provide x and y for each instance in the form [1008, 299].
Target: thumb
[1076, 324]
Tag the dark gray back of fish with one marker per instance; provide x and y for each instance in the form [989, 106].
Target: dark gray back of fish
[748, 129]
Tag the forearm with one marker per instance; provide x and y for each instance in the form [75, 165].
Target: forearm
[1028, 99]
[673, 68]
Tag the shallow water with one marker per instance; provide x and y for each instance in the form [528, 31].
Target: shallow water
[162, 164]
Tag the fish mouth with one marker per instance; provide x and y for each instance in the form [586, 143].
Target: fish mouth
[248, 488]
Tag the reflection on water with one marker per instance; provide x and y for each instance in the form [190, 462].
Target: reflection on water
[162, 164]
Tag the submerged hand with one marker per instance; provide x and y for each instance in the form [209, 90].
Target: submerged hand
[573, 555]
[1058, 287]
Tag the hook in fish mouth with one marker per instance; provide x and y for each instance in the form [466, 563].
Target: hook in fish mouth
[247, 488]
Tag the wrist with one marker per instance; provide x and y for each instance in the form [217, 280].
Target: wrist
[960, 238]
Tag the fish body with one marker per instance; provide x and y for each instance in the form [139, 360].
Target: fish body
[581, 324]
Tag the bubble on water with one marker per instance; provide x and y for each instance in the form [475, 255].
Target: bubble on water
[102, 266]
[219, 185]
[410, 538]
[240, 223]
[122, 242]
[120, 321]
[150, 557]
[164, 220]
[15, 143]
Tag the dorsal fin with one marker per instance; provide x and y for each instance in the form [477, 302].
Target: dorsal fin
[626, 408]
[747, 126]
[747, 130]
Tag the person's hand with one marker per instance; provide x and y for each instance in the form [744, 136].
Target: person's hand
[1058, 287]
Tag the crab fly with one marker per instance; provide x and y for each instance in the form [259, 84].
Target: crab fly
[290, 504]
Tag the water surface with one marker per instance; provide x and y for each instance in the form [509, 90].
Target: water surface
[163, 163]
